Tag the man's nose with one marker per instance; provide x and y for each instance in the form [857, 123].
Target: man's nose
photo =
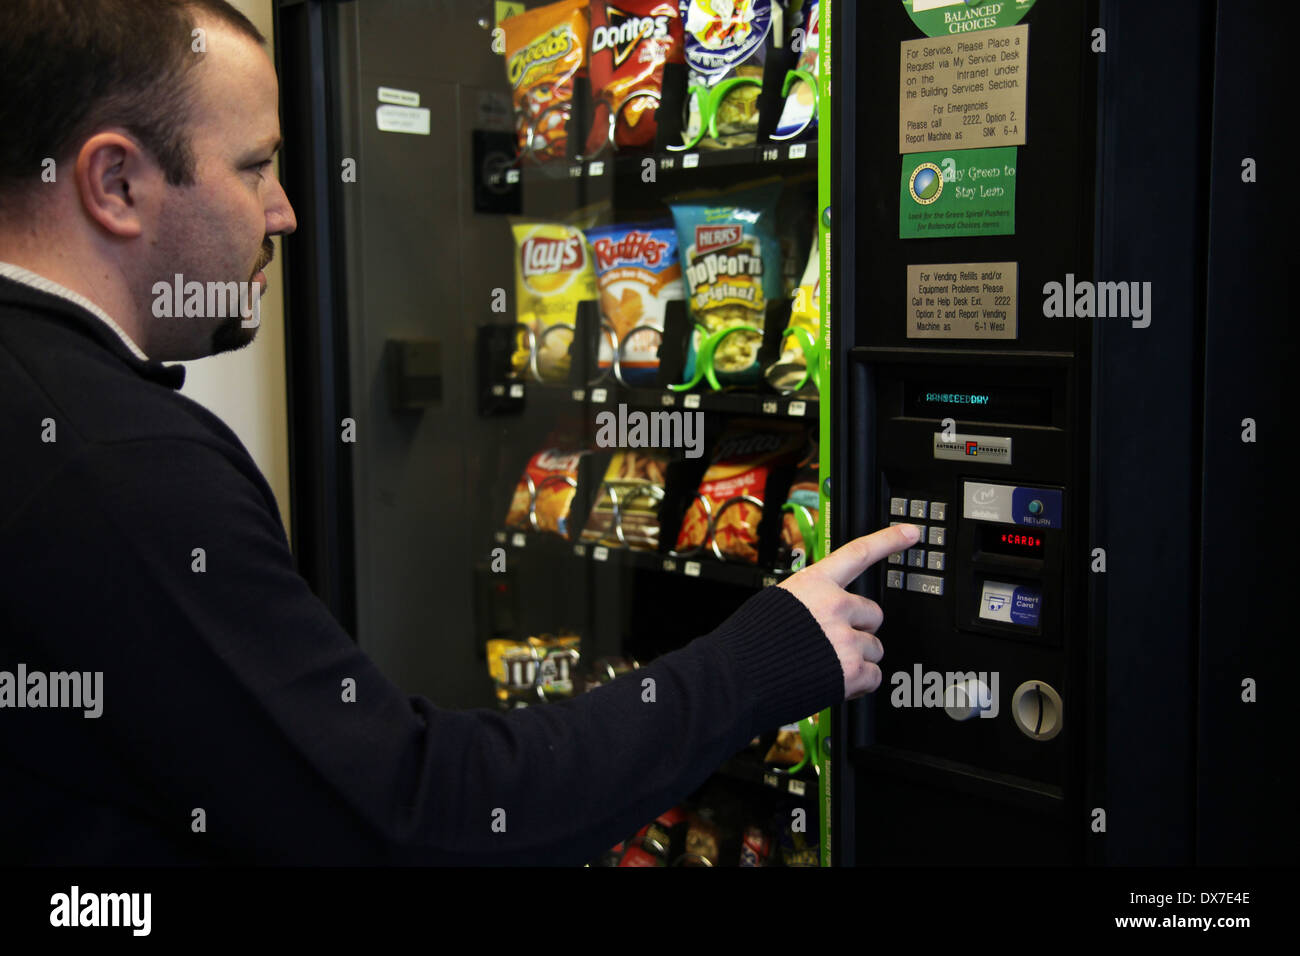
[280, 219]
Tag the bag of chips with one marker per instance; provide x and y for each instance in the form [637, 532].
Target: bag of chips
[631, 40]
[789, 373]
[553, 273]
[800, 112]
[653, 843]
[545, 491]
[755, 847]
[797, 848]
[787, 750]
[546, 49]
[731, 269]
[704, 839]
[726, 47]
[735, 488]
[799, 515]
[626, 511]
[637, 275]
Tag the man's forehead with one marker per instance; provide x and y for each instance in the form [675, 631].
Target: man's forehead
[235, 86]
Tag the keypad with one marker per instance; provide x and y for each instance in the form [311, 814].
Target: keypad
[931, 558]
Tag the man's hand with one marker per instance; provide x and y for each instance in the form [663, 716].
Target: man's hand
[849, 621]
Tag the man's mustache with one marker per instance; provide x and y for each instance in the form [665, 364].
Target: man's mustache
[268, 253]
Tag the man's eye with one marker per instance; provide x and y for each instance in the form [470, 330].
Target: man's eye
[261, 168]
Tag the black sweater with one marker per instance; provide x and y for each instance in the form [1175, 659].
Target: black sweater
[223, 689]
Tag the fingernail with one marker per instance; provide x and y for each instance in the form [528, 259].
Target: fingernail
[912, 531]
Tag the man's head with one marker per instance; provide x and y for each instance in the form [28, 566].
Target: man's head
[161, 121]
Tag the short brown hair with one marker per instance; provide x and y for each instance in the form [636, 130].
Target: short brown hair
[71, 67]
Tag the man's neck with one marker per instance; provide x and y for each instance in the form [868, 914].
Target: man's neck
[74, 289]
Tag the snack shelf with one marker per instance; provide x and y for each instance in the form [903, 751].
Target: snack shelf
[634, 165]
[734, 402]
[703, 567]
[748, 768]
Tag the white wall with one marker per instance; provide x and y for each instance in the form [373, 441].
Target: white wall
[247, 389]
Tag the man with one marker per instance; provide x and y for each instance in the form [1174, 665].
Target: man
[219, 713]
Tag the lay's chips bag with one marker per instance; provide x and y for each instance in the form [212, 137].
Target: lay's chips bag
[553, 273]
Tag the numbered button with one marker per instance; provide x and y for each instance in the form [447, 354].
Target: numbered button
[898, 507]
[934, 561]
[938, 511]
[937, 536]
[895, 558]
[916, 557]
[917, 509]
[894, 579]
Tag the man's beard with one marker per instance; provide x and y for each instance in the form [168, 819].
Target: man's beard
[231, 335]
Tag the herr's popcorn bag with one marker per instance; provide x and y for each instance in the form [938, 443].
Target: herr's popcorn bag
[553, 273]
[726, 47]
[637, 275]
[546, 49]
[731, 269]
[631, 40]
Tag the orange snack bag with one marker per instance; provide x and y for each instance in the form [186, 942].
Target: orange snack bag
[736, 488]
[546, 49]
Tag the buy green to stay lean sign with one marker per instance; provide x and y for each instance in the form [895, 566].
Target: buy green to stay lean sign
[966, 192]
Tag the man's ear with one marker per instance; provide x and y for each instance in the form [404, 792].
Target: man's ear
[113, 175]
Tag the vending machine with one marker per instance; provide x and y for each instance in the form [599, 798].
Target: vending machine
[1040, 209]
[556, 353]
[609, 315]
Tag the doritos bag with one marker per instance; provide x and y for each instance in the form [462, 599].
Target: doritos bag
[631, 40]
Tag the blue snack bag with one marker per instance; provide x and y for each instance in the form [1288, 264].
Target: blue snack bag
[731, 270]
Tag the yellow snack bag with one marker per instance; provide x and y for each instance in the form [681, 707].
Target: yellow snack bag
[553, 273]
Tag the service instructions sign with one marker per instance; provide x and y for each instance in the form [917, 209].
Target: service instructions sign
[967, 92]
[969, 192]
[944, 18]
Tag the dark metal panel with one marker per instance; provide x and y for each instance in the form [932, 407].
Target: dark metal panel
[315, 334]
[1244, 793]
[1153, 163]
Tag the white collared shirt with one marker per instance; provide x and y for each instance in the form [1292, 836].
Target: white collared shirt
[29, 278]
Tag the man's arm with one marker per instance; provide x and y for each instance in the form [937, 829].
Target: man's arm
[224, 690]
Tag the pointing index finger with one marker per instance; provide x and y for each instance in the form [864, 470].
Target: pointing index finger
[848, 561]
